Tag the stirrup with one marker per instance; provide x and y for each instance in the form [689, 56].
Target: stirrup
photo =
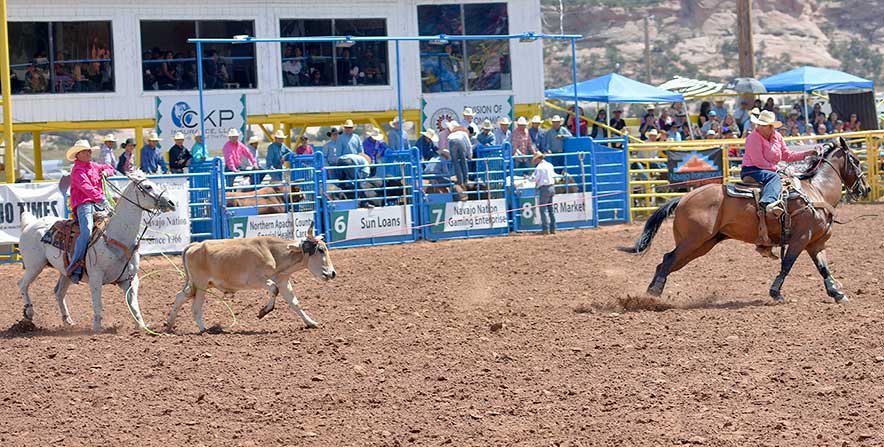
[775, 209]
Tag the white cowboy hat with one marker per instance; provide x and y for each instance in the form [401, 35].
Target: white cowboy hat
[79, 146]
[431, 134]
[556, 119]
[504, 120]
[153, 137]
[254, 139]
[522, 121]
[710, 132]
[196, 135]
[468, 112]
[652, 132]
[487, 125]
[178, 136]
[232, 133]
[279, 134]
[536, 120]
[375, 135]
[452, 125]
[395, 122]
[765, 118]
[110, 137]
[348, 124]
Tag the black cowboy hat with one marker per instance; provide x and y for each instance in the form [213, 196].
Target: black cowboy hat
[127, 142]
[333, 130]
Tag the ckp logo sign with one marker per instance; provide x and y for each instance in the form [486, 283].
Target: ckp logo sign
[184, 116]
[181, 114]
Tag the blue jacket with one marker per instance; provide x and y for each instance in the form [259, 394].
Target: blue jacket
[276, 152]
[151, 160]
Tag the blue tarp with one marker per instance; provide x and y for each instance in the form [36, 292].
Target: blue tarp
[614, 88]
[808, 79]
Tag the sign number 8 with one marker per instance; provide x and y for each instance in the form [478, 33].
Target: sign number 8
[527, 210]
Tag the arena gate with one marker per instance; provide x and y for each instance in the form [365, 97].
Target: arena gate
[480, 210]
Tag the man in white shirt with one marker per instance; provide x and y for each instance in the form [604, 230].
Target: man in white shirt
[544, 177]
[107, 156]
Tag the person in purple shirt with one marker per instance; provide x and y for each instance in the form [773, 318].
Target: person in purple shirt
[374, 146]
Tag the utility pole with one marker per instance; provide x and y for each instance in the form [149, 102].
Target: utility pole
[744, 38]
[648, 49]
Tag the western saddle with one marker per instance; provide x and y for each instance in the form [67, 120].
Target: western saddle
[64, 233]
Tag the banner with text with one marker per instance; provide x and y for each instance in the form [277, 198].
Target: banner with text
[574, 207]
[468, 215]
[372, 222]
[167, 232]
[279, 225]
[437, 109]
[695, 167]
[40, 199]
[182, 114]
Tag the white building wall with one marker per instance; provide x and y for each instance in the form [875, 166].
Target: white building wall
[130, 102]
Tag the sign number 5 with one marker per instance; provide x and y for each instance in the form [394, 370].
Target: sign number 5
[238, 228]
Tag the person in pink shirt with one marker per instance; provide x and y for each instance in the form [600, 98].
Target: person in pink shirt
[764, 149]
[234, 151]
[87, 198]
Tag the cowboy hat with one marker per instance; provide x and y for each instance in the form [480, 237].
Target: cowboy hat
[504, 120]
[468, 112]
[452, 125]
[652, 131]
[128, 142]
[486, 125]
[652, 107]
[556, 119]
[537, 157]
[536, 119]
[110, 137]
[766, 118]
[710, 132]
[153, 137]
[79, 146]
[232, 133]
[196, 135]
[178, 136]
[279, 134]
[755, 111]
[395, 122]
[521, 121]
[717, 100]
[334, 130]
[431, 134]
[254, 139]
[348, 124]
[375, 135]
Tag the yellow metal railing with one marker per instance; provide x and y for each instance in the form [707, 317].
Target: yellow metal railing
[649, 187]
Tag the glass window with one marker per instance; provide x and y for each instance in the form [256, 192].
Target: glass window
[324, 64]
[471, 65]
[169, 62]
[77, 58]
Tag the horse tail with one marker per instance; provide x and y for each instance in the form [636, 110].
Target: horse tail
[26, 219]
[653, 225]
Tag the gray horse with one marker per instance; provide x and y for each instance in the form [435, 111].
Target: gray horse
[112, 259]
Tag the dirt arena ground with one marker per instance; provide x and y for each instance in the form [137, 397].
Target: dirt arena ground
[515, 340]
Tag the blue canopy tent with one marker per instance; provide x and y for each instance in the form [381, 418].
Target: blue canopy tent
[614, 88]
[807, 79]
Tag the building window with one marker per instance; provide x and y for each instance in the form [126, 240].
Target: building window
[60, 57]
[324, 64]
[474, 65]
[169, 62]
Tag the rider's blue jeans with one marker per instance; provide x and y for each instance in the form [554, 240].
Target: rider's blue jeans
[84, 216]
[773, 186]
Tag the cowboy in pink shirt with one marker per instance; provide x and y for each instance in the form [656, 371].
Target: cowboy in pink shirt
[764, 149]
[87, 196]
[234, 150]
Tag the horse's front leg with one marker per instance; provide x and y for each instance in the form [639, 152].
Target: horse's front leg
[95, 283]
[819, 259]
[130, 291]
[786, 264]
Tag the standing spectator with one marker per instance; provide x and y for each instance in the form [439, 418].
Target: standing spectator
[741, 115]
[443, 136]
[720, 108]
[107, 157]
[572, 119]
[253, 150]
[648, 121]
[617, 121]
[459, 146]
[502, 133]
[330, 150]
[374, 146]
[151, 160]
[486, 136]
[276, 153]
[198, 150]
[126, 164]
[521, 142]
[468, 123]
[212, 70]
[553, 138]
[544, 176]
[397, 139]
[234, 151]
[535, 132]
[304, 147]
[426, 144]
[179, 156]
[854, 125]
[349, 142]
[599, 131]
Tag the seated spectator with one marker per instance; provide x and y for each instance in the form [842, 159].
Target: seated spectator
[770, 105]
[833, 117]
[731, 124]
[705, 107]
[713, 119]
[854, 125]
[720, 109]
[502, 133]
[648, 121]
[426, 144]
[664, 120]
[741, 115]
[571, 120]
[599, 131]
[821, 129]
[711, 134]
[348, 69]
[372, 69]
[304, 147]
[486, 135]
[617, 121]
[727, 133]
[839, 127]
[675, 132]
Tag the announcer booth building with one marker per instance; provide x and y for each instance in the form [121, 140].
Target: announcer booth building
[107, 65]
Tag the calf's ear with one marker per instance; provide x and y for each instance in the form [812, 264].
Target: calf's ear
[294, 247]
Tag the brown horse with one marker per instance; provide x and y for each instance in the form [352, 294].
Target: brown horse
[706, 216]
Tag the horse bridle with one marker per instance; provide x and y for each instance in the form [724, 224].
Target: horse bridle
[857, 183]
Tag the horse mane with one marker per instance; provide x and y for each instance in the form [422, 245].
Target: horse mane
[814, 162]
[137, 175]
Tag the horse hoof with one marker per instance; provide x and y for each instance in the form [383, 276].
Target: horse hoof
[841, 300]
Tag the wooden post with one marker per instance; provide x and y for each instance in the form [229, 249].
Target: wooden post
[744, 38]
[648, 50]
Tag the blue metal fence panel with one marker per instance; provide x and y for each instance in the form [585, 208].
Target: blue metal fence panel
[204, 180]
[611, 166]
[573, 204]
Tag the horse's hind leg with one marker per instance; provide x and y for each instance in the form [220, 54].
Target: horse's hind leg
[685, 252]
[61, 290]
[23, 284]
[819, 259]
